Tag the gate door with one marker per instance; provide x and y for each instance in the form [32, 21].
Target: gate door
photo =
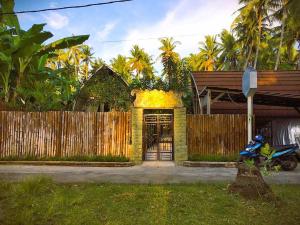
[158, 137]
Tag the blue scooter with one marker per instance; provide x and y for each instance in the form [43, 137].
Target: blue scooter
[285, 156]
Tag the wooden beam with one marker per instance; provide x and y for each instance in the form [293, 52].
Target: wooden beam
[205, 99]
[208, 102]
[197, 94]
[218, 97]
[272, 99]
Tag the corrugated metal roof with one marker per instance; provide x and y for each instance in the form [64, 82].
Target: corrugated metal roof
[282, 82]
[285, 83]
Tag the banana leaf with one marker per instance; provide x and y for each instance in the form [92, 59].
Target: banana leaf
[42, 61]
[4, 58]
[26, 51]
[64, 43]
[34, 35]
[36, 28]
[7, 6]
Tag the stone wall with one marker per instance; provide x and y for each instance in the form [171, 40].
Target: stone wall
[180, 146]
[157, 99]
[137, 135]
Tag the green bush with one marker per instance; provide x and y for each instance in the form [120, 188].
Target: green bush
[80, 158]
[212, 158]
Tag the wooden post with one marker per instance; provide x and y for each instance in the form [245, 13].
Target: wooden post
[200, 104]
[208, 102]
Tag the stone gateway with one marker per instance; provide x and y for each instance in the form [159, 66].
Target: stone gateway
[158, 126]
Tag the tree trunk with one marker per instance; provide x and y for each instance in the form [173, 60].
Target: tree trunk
[6, 98]
[281, 38]
[248, 57]
[298, 61]
[86, 70]
[6, 95]
[5, 80]
[18, 82]
[250, 184]
[170, 75]
[258, 42]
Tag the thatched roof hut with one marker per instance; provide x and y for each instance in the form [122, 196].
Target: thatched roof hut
[104, 91]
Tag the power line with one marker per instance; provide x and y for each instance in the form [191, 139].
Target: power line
[66, 7]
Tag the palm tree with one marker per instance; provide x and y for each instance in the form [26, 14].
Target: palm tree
[229, 51]
[293, 27]
[87, 57]
[280, 15]
[74, 58]
[209, 52]
[267, 52]
[141, 63]
[194, 62]
[244, 28]
[121, 66]
[169, 58]
[77, 59]
[61, 60]
[96, 63]
[260, 10]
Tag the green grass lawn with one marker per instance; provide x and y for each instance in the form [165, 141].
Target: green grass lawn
[41, 201]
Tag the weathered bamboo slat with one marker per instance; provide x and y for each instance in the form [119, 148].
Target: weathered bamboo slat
[49, 134]
[216, 135]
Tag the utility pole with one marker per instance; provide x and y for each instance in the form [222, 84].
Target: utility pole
[250, 116]
[249, 89]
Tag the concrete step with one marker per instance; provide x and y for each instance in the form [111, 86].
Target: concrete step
[158, 164]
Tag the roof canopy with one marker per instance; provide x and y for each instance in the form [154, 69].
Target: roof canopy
[260, 98]
[275, 88]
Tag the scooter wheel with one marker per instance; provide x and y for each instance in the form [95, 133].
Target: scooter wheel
[289, 163]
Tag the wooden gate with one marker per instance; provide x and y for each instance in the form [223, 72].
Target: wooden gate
[158, 137]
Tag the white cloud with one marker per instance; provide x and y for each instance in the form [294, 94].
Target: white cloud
[188, 23]
[56, 20]
[106, 30]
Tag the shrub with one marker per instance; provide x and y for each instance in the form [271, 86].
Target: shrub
[212, 158]
[84, 158]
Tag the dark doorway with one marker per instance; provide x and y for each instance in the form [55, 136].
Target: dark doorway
[158, 135]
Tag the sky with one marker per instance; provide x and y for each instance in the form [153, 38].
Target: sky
[140, 22]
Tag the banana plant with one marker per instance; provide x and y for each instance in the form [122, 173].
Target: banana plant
[26, 52]
[5, 68]
[11, 20]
